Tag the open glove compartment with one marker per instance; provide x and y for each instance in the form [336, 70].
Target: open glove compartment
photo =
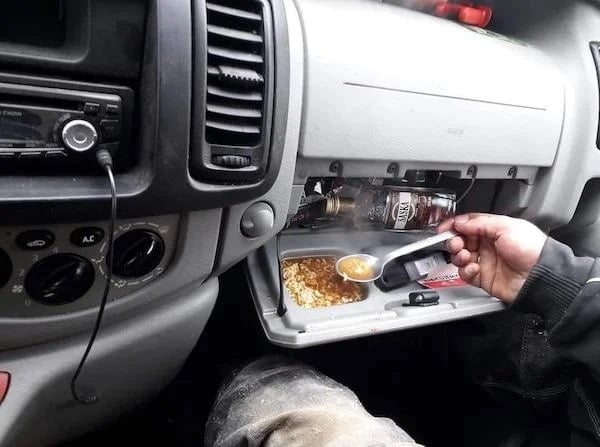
[287, 324]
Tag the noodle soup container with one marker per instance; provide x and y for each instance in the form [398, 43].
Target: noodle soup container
[335, 254]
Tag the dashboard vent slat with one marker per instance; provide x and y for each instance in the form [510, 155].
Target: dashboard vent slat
[230, 127]
[234, 55]
[234, 12]
[234, 34]
[242, 112]
[232, 94]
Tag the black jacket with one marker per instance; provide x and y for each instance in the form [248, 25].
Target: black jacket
[565, 291]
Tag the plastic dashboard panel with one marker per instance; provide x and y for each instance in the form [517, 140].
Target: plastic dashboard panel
[14, 302]
[233, 245]
[164, 319]
[549, 195]
[160, 180]
[160, 322]
[160, 183]
[189, 267]
[90, 33]
[39, 410]
[201, 164]
[386, 83]
[568, 28]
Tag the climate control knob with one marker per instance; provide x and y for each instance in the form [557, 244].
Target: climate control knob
[137, 253]
[79, 135]
[6, 268]
[59, 279]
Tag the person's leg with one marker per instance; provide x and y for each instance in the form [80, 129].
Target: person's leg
[278, 402]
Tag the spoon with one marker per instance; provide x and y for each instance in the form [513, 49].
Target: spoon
[363, 267]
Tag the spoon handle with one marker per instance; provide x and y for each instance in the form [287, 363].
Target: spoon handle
[419, 245]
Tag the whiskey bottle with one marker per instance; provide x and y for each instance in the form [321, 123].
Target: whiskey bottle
[394, 208]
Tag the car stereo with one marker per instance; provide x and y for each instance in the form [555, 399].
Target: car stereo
[40, 123]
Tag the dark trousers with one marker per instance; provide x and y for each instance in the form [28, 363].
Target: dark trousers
[276, 402]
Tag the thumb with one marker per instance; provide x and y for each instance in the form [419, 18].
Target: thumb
[479, 224]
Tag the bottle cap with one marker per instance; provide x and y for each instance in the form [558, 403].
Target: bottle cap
[335, 206]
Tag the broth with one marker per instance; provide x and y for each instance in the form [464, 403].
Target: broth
[313, 282]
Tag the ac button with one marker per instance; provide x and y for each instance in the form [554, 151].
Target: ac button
[87, 236]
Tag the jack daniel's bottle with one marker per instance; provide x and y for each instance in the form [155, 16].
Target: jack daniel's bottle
[395, 208]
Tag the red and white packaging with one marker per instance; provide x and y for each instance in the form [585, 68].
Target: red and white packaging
[442, 277]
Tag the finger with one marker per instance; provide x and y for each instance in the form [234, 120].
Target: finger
[455, 245]
[483, 225]
[462, 258]
[470, 273]
[445, 226]
[472, 243]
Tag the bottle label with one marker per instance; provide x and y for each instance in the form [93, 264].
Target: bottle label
[378, 207]
[409, 210]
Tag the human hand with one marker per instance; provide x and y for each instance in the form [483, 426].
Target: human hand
[494, 252]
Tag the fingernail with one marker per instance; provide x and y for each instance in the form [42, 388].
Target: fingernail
[470, 269]
[461, 219]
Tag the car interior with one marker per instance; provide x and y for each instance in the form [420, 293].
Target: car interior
[178, 179]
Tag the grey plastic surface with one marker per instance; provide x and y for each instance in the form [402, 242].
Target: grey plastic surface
[384, 83]
[584, 240]
[258, 220]
[160, 182]
[191, 265]
[234, 246]
[103, 39]
[14, 302]
[380, 312]
[131, 362]
[563, 32]
[380, 169]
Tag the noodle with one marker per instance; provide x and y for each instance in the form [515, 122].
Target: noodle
[313, 282]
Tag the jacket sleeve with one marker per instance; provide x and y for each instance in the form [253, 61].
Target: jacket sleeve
[565, 291]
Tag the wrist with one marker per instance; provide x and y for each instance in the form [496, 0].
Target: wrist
[553, 283]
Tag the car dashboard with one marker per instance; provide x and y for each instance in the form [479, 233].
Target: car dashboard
[217, 115]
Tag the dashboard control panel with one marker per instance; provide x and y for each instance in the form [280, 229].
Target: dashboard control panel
[59, 125]
[55, 269]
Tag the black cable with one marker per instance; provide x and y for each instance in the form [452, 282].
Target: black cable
[281, 307]
[105, 160]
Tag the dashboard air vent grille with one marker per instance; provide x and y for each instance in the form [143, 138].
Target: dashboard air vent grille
[236, 73]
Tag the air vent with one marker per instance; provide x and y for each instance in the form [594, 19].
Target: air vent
[235, 73]
[238, 89]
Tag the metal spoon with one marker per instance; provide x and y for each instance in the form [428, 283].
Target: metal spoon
[374, 266]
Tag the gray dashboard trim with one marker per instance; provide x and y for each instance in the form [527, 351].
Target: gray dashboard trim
[234, 245]
[190, 267]
[160, 183]
[131, 361]
[568, 28]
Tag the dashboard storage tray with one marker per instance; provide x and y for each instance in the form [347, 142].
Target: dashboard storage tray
[378, 312]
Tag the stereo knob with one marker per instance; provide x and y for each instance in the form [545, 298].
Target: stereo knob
[6, 268]
[59, 279]
[137, 253]
[79, 135]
